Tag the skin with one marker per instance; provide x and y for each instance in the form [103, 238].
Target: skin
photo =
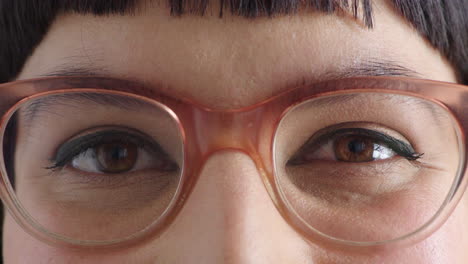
[229, 217]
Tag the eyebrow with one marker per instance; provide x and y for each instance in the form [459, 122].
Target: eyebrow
[376, 67]
[368, 68]
[77, 101]
[84, 100]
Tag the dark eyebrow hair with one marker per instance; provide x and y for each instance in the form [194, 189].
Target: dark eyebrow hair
[371, 67]
[368, 68]
[374, 67]
[74, 100]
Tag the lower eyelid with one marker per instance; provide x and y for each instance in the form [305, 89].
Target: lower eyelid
[72, 176]
[355, 177]
[96, 191]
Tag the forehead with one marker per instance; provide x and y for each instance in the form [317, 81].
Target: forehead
[231, 61]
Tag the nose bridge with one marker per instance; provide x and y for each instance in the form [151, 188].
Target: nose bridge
[242, 207]
[224, 130]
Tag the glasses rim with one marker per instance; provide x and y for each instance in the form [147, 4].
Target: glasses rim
[23, 91]
[412, 237]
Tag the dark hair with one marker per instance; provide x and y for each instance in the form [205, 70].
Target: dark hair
[23, 23]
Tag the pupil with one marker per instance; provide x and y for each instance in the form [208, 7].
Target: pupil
[116, 157]
[118, 153]
[356, 146]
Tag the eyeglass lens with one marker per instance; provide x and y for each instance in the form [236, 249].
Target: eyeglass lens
[91, 166]
[368, 166]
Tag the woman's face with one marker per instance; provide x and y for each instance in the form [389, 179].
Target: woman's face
[232, 62]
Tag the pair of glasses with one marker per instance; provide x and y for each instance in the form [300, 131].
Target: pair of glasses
[361, 162]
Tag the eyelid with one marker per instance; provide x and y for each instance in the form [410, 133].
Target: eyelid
[401, 148]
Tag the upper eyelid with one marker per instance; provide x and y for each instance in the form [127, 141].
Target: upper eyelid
[331, 133]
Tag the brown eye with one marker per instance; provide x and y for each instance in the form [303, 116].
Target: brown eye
[354, 148]
[116, 157]
[351, 145]
[115, 152]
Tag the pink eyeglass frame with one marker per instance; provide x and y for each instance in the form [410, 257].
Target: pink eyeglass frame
[248, 130]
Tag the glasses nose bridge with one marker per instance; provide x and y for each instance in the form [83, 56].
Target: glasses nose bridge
[228, 130]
